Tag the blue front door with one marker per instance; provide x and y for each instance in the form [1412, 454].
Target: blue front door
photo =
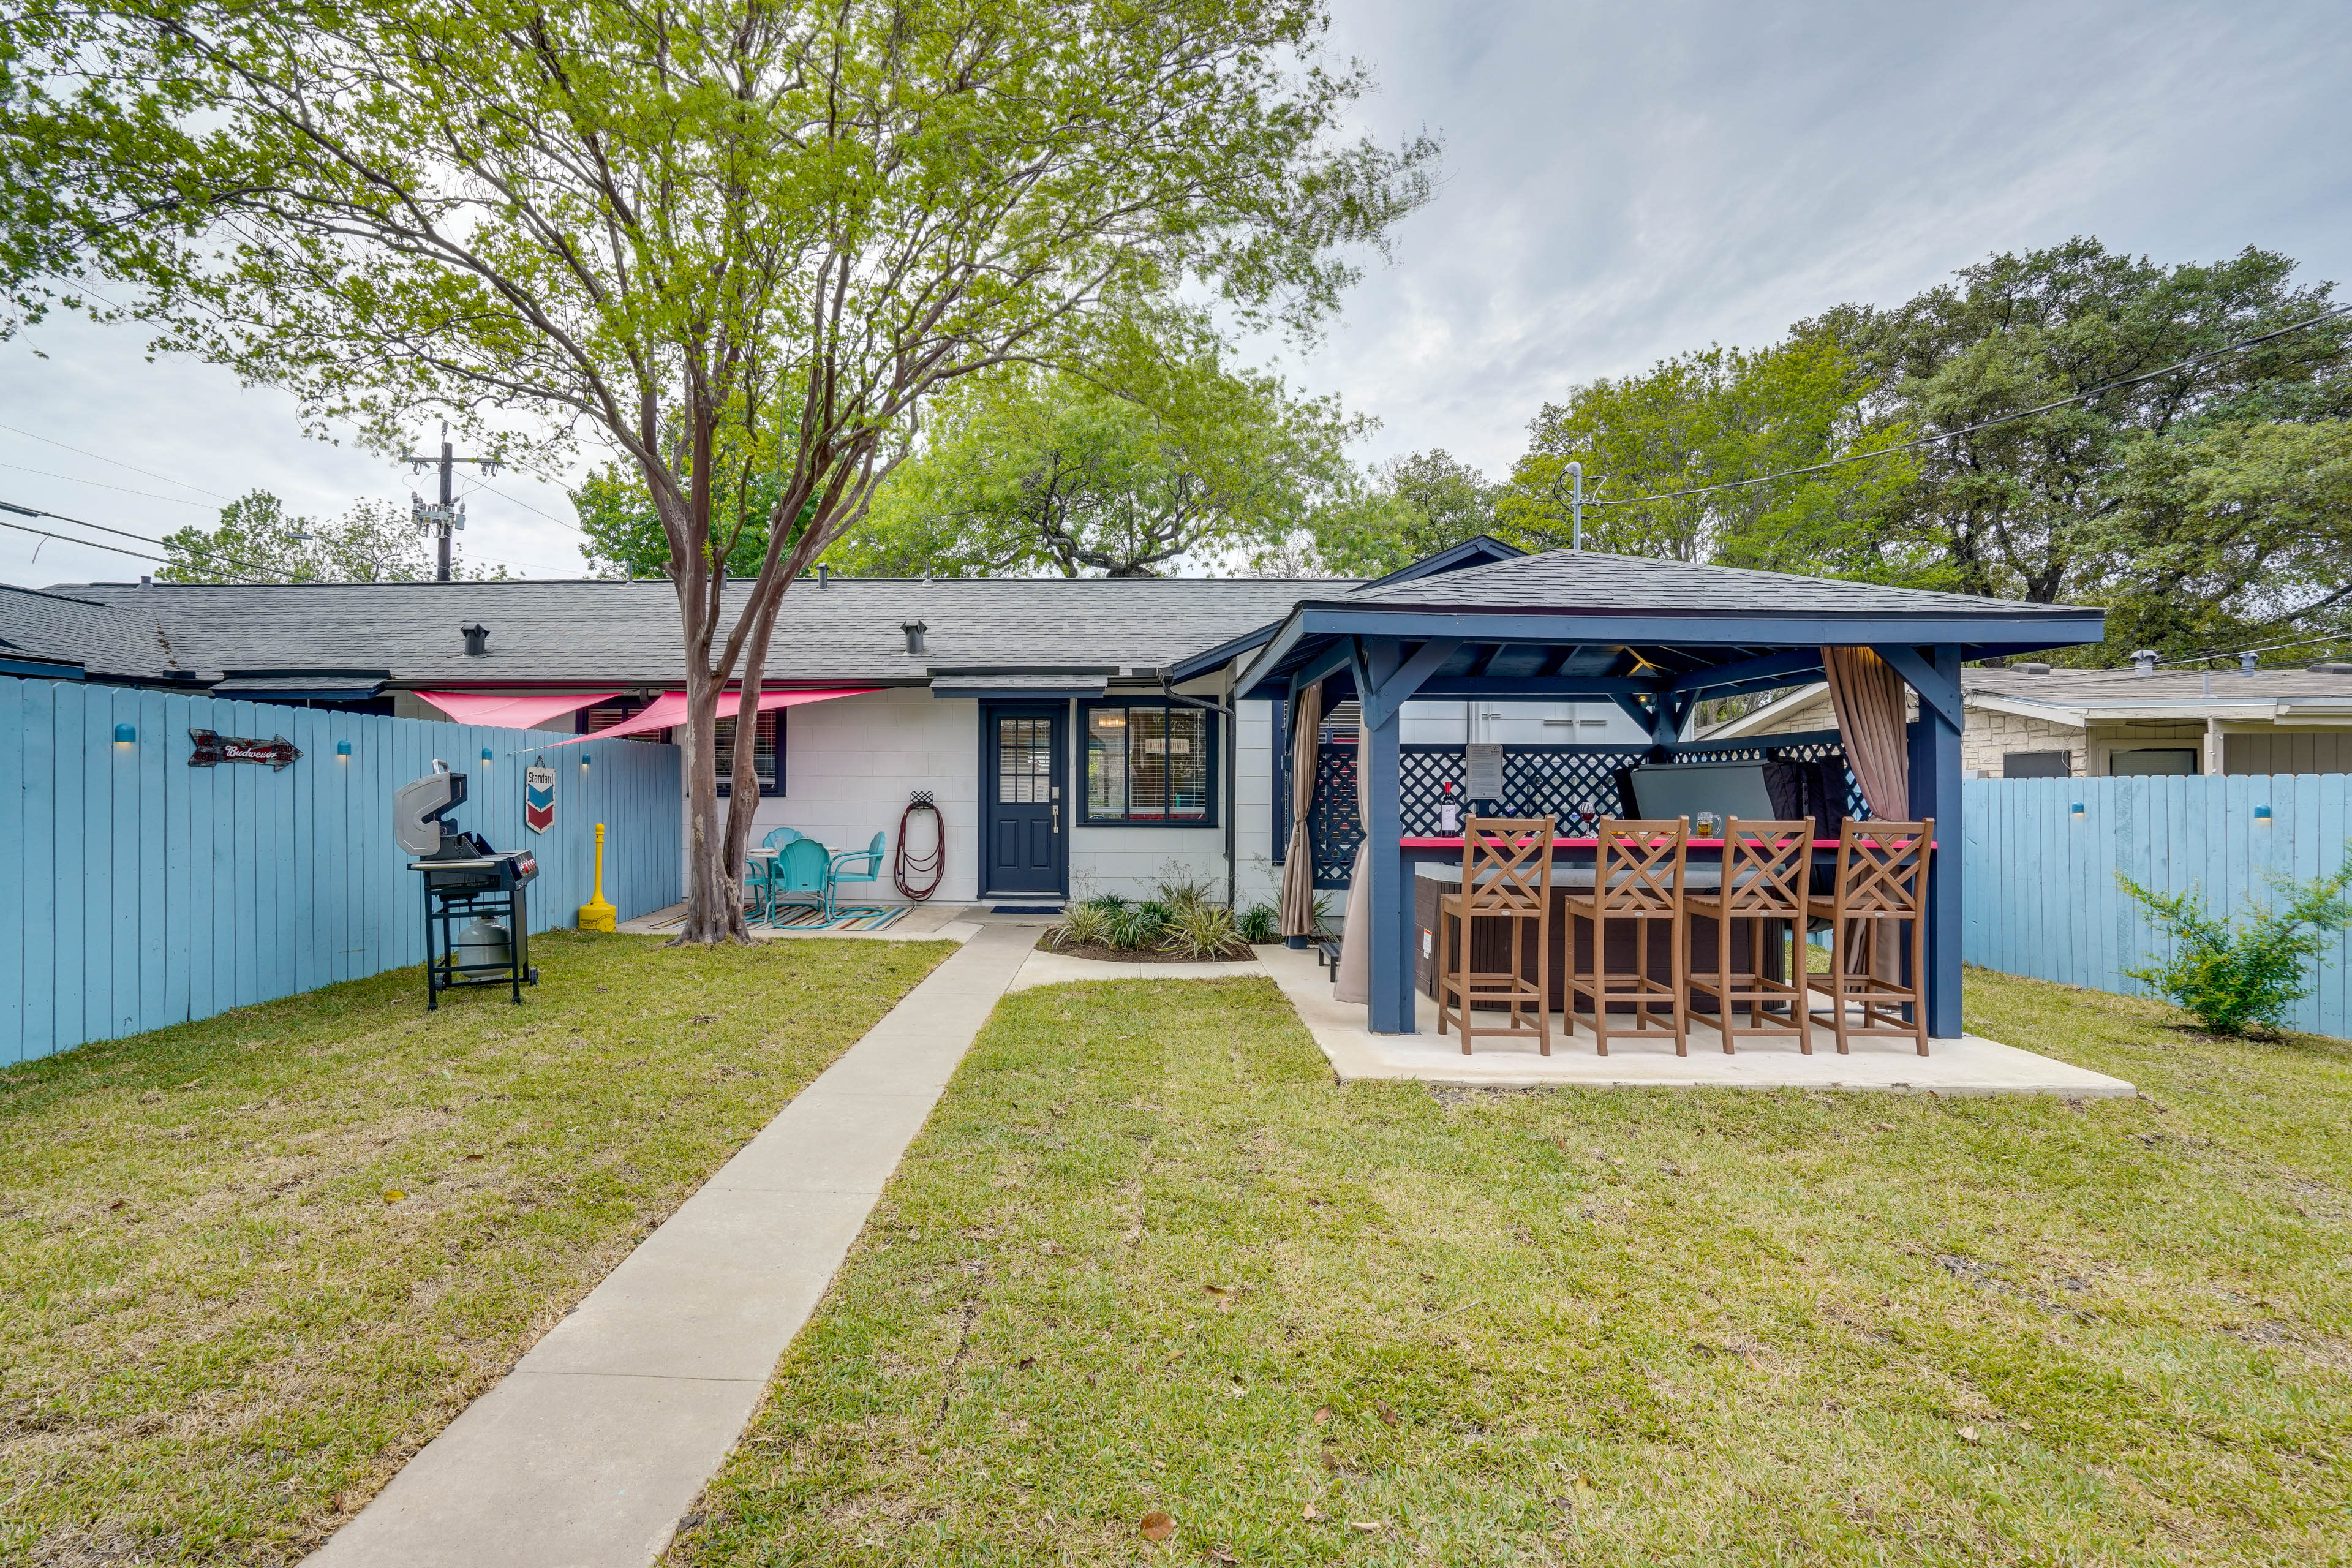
[1024, 755]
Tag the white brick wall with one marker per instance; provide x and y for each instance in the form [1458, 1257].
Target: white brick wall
[1257, 879]
[850, 764]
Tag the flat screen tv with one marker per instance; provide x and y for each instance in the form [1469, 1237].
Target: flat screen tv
[1685, 789]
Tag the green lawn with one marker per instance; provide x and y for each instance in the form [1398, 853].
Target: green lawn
[249, 1265]
[1148, 1258]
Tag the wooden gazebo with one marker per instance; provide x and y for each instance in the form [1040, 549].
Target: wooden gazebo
[1653, 638]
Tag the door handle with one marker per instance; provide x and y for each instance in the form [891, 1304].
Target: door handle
[1057, 817]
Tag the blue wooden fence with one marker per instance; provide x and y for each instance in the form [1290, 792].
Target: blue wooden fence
[2039, 879]
[137, 891]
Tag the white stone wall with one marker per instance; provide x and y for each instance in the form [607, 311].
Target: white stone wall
[1990, 734]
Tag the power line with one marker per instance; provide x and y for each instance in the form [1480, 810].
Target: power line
[100, 484]
[486, 485]
[268, 574]
[118, 462]
[2190, 363]
[2261, 648]
[90, 543]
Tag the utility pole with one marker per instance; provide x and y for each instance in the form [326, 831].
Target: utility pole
[447, 515]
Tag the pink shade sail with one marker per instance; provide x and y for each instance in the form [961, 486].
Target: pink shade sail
[668, 711]
[508, 711]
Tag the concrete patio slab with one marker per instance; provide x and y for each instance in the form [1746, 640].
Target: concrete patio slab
[1970, 1065]
[1044, 968]
[588, 1453]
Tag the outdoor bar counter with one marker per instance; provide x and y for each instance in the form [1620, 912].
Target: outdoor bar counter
[1435, 865]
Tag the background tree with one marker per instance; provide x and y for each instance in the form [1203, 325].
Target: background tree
[256, 541]
[721, 235]
[1032, 471]
[623, 527]
[2197, 505]
[1407, 508]
[1712, 420]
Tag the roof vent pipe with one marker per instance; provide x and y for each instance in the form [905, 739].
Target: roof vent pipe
[2246, 662]
[477, 640]
[2031, 666]
[2144, 662]
[914, 630]
[824, 575]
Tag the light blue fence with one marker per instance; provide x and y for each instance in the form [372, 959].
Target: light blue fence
[2039, 883]
[137, 891]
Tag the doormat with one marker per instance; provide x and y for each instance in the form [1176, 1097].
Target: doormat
[806, 919]
[1025, 910]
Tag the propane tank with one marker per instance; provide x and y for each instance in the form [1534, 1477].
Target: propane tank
[483, 941]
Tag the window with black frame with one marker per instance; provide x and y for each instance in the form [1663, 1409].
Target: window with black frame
[767, 741]
[1151, 764]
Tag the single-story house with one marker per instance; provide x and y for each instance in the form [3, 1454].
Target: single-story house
[1036, 712]
[2034, 721]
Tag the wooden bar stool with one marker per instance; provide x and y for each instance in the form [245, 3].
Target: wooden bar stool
[1767, 870]
[1881, 883]
[1505, 876]
[1637, 876]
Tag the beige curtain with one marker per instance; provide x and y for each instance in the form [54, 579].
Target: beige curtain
[1351, 981]
[1296, 916]
[1868, 697]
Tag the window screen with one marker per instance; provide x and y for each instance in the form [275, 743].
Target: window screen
[2037, 764]
[764, 734]
[1148, 765]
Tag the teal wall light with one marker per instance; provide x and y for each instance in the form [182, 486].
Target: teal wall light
[2262, 815]
[2078, 808]
[486, 756]
[343, 749]
[125, 735]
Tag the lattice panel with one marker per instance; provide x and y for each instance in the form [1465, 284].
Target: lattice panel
[1333, 824]
[1538, 781]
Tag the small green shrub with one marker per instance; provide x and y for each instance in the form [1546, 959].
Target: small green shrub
[1258, 923]
[2230, 974]
[1201, 930]
[1181, 890]
[1083, 925]
[1108, 903]
[1137, 926]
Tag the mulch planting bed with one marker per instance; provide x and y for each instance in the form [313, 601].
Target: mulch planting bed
[1237, 950]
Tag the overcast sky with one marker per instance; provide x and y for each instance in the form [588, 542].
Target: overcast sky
[1620, 182]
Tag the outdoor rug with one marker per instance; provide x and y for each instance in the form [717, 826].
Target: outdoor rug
[806, 919]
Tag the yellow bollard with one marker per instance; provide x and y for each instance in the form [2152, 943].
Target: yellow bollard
[596, 914]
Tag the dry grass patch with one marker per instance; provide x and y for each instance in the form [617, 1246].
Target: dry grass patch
[1148, 1259]
[252, 1264]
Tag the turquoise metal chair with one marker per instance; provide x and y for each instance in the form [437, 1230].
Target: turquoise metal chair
[802, 873]
[871, 857]
[756, 874]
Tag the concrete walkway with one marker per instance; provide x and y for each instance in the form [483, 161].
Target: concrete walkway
[602, 1436]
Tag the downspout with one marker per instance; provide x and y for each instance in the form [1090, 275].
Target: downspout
[1232, 741]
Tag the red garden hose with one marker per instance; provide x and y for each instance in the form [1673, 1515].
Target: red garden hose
[934, 863]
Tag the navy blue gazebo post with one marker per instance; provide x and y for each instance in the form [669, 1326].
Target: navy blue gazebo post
[1654, 637]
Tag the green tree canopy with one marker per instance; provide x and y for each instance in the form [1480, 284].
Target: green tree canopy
[2203, 505]
[719, 235]
[1406, 508]
[1032, 471]
[256, 541]
[1721, 422]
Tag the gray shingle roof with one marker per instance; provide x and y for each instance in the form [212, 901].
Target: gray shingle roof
[2076, 686]
[1589, 580]
[106, 640]
[627, 632]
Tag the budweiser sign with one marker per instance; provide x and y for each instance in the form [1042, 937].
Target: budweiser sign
[212, 748]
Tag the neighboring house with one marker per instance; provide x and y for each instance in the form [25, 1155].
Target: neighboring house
[2029, 720]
